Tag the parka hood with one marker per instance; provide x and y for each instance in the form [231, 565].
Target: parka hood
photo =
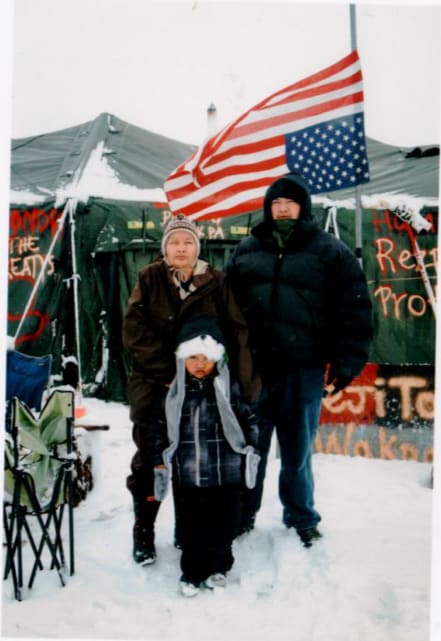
[293, 186]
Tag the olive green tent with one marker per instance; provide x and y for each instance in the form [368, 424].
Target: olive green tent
[88, 209]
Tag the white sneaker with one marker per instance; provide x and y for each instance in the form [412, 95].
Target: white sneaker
[217, 580]
[188, 589]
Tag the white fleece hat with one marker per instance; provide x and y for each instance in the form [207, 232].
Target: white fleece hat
[204, 344]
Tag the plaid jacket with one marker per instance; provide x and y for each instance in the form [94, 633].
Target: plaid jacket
[203, 456]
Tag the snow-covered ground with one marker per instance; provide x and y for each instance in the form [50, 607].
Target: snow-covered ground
[367, 580]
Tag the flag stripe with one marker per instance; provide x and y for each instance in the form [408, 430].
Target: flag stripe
[333, 70]
[314, 126]
[241, 207]
[216, 178]
[348, 86]
[252, 190]
[221, 189]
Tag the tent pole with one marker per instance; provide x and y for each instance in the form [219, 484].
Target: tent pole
[42, 271]
[358, 226]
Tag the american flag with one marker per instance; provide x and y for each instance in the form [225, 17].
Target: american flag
[315, 127]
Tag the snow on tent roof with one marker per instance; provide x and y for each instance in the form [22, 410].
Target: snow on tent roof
[104, 157]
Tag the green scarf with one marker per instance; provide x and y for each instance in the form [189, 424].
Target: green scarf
[282, 230]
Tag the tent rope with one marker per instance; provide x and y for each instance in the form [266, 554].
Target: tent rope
[75, 277]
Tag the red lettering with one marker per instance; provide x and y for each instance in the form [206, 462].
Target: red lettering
[378, 222]
[385, 246]
[15, 219]
[403, 259]
[429, 216]
[417, 305]
[30, 221]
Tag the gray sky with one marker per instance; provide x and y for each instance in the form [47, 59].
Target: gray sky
[159, 65]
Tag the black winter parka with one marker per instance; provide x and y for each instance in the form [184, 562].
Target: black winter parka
[306, 304]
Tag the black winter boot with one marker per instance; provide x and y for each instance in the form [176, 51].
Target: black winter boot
[144, 552]
[309, 535]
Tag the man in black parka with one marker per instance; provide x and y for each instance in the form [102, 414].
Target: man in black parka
[305, 298]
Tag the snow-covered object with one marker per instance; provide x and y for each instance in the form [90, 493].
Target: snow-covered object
[99, 179]
[410, 215]
[105, 157]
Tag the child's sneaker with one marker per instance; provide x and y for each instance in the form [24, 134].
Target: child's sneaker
[187, 588]
[217, 580]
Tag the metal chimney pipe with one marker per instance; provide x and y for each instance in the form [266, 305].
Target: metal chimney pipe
[211, 119]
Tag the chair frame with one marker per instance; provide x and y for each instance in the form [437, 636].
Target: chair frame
[25, 503]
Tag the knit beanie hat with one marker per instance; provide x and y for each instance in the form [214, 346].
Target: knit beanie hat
[287, 189]
[201, 335]
[180, 223]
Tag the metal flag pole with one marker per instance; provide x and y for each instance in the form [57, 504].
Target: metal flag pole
[358, 226]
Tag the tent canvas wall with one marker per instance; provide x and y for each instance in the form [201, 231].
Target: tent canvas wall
[111, 173]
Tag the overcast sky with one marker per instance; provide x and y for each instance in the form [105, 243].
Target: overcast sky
[159, 65]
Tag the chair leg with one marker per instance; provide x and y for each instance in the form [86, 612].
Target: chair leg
[71, 540]
[14, 558]
[19, 543]
[57, 519]
[7, 529]
[31, 540]
[70, 515]
[44, 539]
[8, 526]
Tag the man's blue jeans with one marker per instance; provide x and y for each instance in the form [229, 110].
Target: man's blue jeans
[290, 403]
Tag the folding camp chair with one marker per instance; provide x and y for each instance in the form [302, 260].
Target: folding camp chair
[38, 484]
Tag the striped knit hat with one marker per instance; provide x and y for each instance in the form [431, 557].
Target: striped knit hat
[180, 223]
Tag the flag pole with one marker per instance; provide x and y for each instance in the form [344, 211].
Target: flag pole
[358, 226]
